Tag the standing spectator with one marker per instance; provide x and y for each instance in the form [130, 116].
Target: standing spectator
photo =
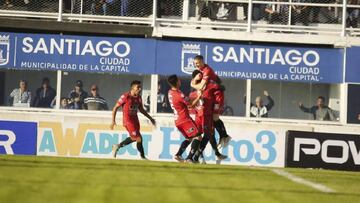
[320, 111]
[98, 7]
[77, 95]
[21, 95]
[300, 13]
[276, 12]
[95, 102]
[44, 95]
[162, 101]
[259, 109]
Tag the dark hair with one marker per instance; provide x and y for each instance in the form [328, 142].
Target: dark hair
[321, 97]
[45, 79]
[195, 73]
[62, 98]
[135, 82]
[24, 81]
[172, 80]
[199, 57]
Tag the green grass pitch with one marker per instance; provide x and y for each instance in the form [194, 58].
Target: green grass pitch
[49, 179]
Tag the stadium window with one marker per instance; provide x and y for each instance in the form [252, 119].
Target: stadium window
[353, 110]
[104, 87]
[287, 97]
[26, 88]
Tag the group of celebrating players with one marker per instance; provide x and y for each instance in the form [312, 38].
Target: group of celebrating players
[206, 101]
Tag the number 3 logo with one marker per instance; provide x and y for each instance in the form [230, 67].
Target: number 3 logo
[267, 146]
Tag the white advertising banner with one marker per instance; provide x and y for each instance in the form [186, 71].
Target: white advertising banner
[251, 144]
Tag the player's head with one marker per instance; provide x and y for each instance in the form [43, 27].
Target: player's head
[196, 75]
[199, 61]
[259, 101]
[174, 81]
[320, 101]
[135, 87]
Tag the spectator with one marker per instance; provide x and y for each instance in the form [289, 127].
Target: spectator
[162, 102]
[95, 102]
[77, 95]
[64, 103]
[200, 4]
[98, 7]
[21, 95]
[8, 4]
[124, 7]
[44, 95]
[300, 13]
[320, 111]
[352, 14]
[276, 12]
[259, 109]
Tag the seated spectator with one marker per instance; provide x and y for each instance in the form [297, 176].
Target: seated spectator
[98, 7]
[64, 103]
[95, 102]
[44, 95]
[277, 12]
[320, 111]
[300, 13]
[162, 102]
[8, 4]
[352, 14]
[77, 95]
[259, 109]
[21, 95]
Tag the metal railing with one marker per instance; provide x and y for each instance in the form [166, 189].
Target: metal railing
[322, 17]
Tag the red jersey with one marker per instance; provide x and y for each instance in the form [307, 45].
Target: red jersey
[130, 105]
[179, 105]
[209, 74]
[206, 103]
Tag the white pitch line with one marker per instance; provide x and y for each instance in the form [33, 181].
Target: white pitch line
[299, 180]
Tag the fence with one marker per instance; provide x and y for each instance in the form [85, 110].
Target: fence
[325, 17]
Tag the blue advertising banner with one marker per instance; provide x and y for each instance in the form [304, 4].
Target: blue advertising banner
[150, 56]
[77, 53]
[18, 137]
[352, 65]
[259, 62]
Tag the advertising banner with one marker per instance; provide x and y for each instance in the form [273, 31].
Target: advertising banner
[77, 53]
[258, 62]
[323, 150]
[258, 146]
[18, 137]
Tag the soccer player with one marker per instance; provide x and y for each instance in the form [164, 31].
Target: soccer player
[184, 123]
[209, 76]
[203, 117]
[131, 102]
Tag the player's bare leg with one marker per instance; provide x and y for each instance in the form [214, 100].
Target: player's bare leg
[220, 127]
[116, 147]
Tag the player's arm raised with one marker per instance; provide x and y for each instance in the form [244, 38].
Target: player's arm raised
[145, 113]
[114, 111]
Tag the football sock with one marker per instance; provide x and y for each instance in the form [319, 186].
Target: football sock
[126, 142]
[220, 127]
[140, 148]
[183, 147]
[202, 146]
[214, 145]
[194, 147]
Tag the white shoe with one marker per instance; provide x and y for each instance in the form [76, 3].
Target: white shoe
[115, 149]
